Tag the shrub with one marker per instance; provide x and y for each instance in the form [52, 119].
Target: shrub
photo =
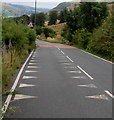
[49, 32]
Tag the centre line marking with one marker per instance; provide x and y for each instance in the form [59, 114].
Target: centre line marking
[85, 72]
[62, 52]
[109, 94]
[69, 59]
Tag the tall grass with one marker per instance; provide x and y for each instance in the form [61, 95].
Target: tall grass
[18, 41]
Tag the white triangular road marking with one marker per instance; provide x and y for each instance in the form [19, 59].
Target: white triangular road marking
[29, 71]
[33, 60]
[26, 85]
[89, 85]
[74, 71]
[69, 67]
[33, 67]
[103, 97]
[67, 63]
[76, 77]
[32, 63]
[20, 96]
[29, 77]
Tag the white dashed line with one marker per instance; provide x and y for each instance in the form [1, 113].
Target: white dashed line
[63, 52]
[85, 72]
[58, 48]
[69, 59]
[109, 94]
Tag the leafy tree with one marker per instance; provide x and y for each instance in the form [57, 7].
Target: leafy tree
[40, 19]
[91, 14]
[53, 15]
[63, 15]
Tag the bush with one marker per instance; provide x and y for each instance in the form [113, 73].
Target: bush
[19, 40]
[102, 41]
[38, 30]
[81, 38]
[49, 32]
[17, 36]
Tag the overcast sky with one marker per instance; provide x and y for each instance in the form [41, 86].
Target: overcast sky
[40, 3]
[34, 0]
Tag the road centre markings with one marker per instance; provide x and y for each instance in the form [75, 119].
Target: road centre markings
[62, 52]
[85, 72]
[110, 94]
[69, 59]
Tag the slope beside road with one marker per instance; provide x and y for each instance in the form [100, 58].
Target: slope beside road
[61, 81]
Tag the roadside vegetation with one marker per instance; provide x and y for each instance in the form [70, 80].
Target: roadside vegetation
[18, 40]
[88, 27]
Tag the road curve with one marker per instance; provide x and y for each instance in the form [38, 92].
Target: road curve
[61, 81]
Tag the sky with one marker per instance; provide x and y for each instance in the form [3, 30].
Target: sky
[40, 3]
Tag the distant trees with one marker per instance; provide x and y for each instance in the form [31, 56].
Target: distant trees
[40, 19]
[53, 15]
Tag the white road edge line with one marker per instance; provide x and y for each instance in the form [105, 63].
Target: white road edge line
[106, 91]
[58, 48]
[6, 104]
[62, 52]
[98, 57]
[85, 72]
[69, 59]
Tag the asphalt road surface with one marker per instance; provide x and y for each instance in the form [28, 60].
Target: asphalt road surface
[61, 81]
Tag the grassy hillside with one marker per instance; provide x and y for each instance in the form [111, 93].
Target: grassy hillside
[58, 29]
[11, 10]
[68, 5]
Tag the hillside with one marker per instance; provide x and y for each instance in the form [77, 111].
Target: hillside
[63, 5]
[11, 10]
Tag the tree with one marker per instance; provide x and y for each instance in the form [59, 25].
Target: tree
[53, 15]
[40, 19]
[63, 15]
[92, 14]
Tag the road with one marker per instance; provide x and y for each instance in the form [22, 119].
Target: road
[61, 81]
